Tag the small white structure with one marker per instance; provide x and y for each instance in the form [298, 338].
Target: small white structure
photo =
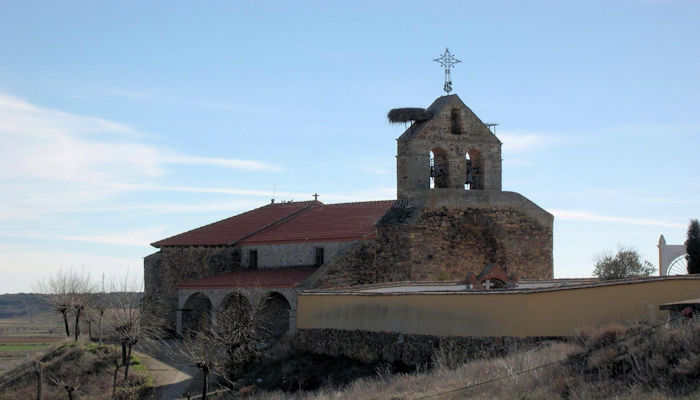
[671, 258]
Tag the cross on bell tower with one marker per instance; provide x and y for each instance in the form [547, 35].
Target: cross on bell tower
[447, 60]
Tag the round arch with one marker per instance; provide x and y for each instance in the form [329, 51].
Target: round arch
[196, 314]
[439, 169]
[274, 314]
[678, 266]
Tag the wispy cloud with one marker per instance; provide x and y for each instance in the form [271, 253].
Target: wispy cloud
[579, 215]
[51, 160]
[137, 237]
[626, 197]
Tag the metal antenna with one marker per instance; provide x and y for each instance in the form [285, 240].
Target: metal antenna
[447, 60]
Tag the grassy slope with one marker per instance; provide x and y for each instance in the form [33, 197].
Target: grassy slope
[87, 366]
[664, 363]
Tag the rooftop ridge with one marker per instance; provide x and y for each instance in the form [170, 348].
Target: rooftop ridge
[360, 203]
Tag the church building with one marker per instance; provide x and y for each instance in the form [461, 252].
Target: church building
[450, 219]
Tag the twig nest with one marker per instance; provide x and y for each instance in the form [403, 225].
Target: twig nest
[408, 114]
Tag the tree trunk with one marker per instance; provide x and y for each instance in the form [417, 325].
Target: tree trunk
[205, 375]
[123, 351]
[128, 362]
[40, 380]
[77, 322]
[65, 321]
[99, 328]
[114, 378]
[89, 329]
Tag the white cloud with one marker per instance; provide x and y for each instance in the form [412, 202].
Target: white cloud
[579, 215]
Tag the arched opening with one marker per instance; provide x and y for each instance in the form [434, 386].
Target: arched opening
[274, 314]
[679, 266]
[236, 306]
[196, 314]
[439, 171]
[469, 178]
[474, 179]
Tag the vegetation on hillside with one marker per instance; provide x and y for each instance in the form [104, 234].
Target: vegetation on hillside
[23, 305]
[76, 370]
[621, 362]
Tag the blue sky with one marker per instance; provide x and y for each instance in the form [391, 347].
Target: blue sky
[122, 123]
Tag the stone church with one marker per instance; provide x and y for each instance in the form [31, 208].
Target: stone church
[450, 218]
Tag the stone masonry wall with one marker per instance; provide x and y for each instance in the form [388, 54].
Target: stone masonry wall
[446, 244]
[352, 266]
[292, 254]
[410, 349]
[171, 265]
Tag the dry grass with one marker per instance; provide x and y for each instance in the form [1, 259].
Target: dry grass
[662, 364]
[87, 366]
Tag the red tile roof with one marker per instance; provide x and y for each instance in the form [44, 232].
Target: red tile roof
[252, 278]
[235, 228]
[330, 223]
[292, 222]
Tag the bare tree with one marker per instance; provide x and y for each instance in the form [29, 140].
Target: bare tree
[69, 291]
[124, 318]
[235, 337]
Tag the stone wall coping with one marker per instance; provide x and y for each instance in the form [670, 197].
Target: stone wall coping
[356, 290]
[444, 283]
[456, 199]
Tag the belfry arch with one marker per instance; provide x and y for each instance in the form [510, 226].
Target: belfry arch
[474, 170]
[439, 168]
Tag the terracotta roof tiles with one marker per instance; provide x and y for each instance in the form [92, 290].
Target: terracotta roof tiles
[291, 222]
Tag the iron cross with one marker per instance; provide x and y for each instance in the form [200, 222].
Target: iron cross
[315, 196]
[447, 60]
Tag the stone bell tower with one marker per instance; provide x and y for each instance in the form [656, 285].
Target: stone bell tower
[451, 217]
[451, 150]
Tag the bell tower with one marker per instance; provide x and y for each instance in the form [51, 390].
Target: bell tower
[450, 149]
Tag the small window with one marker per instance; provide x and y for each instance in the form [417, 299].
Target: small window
[319, 256]
[253, 259]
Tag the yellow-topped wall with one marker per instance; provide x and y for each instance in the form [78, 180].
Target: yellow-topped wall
[543, 312]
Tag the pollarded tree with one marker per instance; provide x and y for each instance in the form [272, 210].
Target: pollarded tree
[626, 263]
[692, 247]
[70, 292]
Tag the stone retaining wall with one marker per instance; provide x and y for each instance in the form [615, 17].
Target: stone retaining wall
[410, 349]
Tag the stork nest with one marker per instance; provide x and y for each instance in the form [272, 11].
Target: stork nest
[399, 115]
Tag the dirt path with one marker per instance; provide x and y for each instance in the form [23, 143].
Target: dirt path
[172, 374]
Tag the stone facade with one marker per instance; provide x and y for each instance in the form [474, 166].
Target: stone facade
[164, 270]
[448, 241]
[172, 265]
[291, 255]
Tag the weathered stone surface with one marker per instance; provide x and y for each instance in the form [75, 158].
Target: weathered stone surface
[410, 349]
[446, 244]
[171, 265]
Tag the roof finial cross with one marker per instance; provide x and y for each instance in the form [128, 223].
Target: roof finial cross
[447, 60]
[315, 196]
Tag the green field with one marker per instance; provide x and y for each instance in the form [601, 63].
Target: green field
[13, 347]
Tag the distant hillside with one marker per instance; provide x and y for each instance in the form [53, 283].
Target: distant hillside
[21, 305]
